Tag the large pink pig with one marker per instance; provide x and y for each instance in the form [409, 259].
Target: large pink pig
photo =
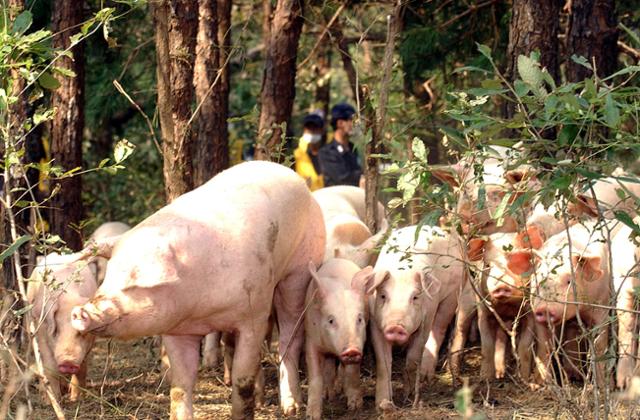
[620, 192]
[343, 208]
[216, 259]
[568, 274]
[335, 325]
[57, 284]
[414, 302]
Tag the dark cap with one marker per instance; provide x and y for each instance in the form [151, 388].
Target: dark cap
[313, 120]
[342, 111]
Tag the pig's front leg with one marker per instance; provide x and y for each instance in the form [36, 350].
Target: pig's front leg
[525, 347]
[488, 343]
[184, 357]
[329, 378]
[315, 370]
[246, 363]
[464, 318]
[79, 381]
[382, 349]
[502, 342]
[352, 386]
[627, 321]
[211, 350]
[544, 345]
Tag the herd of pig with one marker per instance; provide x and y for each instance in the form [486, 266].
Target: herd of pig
[253, 246]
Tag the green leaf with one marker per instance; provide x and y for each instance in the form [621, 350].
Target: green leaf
[485, 50]
[14, 247]
[123, 150]
[499, 214]
[407, 184]
[611, 112]
[582, 61]
[530, 73]
[47, 81]
[627, 220]
[64, 72]
[419, 150]
[22, 22]
[103, 162]
[521, 88]
[567, 135]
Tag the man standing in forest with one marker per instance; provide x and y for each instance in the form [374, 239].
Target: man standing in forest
[338, 160]
[306, 155]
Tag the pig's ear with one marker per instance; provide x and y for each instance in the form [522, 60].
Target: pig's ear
[475, 249]
[533, 238]
[379, 278]
[431, 284]
[584, 205]
[515, 176]
[587, 267]
[520, 262]
[363, 280]
[448, 174]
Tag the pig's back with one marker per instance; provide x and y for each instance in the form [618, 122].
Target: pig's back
[255, 212]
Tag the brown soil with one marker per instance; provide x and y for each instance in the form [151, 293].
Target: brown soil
[125, 382]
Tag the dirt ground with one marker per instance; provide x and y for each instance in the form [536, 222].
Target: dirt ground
[125, 382]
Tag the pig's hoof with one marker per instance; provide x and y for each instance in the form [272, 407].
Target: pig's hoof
[534, 386]
[290, 410]
[386, 406]
[500, 373]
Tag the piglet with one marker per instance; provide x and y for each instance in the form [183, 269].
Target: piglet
[335, 325]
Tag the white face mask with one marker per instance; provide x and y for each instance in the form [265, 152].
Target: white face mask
[312, 138]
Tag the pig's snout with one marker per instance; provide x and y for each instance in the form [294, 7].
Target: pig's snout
[396, 334]
[80, 319]
[68, 368]
[544, 314]
[350, 356]
[502, 292]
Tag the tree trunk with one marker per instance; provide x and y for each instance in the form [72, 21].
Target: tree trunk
[160, 11]
[182, 22]
[67, 124]
[211, 152]
[375, 146]
[592, 33]
[278, 82]
[533, 27]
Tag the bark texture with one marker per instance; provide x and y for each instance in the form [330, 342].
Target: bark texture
[278, 82]
[176, 56]
[592, 33]
[211, 152]
[68, 123]
[534, 27]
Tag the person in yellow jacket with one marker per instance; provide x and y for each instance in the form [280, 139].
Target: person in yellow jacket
[306, 155]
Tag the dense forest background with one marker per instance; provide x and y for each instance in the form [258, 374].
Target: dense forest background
[122, 97]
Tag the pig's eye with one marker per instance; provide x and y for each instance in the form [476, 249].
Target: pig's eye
[331, 320]
[415, 298]
[383, 296]
[360, 319]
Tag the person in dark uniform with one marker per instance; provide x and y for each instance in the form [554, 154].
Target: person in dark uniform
[338, 160]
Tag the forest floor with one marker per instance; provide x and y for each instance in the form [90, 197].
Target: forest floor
[125, 382]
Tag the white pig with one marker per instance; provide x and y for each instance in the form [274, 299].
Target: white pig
[335, 325]
[343, 208]
[57, 284]
[216, 259]
[415, 297]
